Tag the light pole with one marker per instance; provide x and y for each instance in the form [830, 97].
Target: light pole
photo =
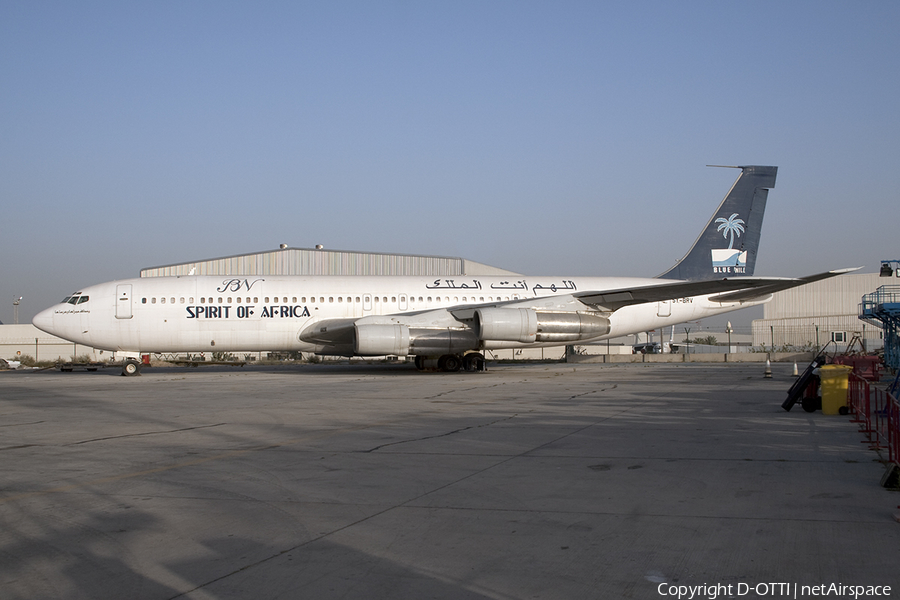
[16, 309]
[728, 330]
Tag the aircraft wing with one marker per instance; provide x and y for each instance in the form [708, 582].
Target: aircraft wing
[732, 290]
[754, 293]
[342, 331]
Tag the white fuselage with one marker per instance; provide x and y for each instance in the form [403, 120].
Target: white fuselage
[256, 313]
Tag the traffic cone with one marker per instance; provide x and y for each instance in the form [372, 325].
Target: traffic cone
[795, 373]
[768, 373]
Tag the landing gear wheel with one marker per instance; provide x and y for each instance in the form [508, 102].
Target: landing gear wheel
[420, 363]
[473, 362]
[131, 368]
[450, 363]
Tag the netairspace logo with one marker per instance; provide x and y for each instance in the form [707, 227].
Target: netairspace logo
[772, 590]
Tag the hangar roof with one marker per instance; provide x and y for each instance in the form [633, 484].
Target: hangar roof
[319, 261]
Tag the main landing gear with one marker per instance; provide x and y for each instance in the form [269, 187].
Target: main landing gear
[451, 363]
[131, 367]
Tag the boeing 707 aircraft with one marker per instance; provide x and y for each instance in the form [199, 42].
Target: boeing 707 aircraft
[445, 322]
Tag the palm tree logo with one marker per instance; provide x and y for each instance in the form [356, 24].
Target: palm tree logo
[732, 225]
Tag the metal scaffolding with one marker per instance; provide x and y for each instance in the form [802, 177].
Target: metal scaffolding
[882, 308]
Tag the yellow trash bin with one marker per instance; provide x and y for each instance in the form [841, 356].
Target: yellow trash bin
[834, 380]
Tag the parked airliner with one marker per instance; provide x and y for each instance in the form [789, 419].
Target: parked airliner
[446, 322]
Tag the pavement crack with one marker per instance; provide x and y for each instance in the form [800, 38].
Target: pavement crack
[601, 390]
[116, 437]
[440, 435]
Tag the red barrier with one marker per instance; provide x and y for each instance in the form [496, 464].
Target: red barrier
[878, 415]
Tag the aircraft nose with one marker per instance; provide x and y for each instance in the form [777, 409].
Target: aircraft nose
[44, 320]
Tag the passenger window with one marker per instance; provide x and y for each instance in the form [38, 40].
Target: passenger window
[377, 299]
[330, 299]
[303, 299]
[285, 299]
[294, 300]
[152, 300]
[191, 299]
[162, 300]
[229, 301]
[238, 299]
[220, 299]
[172, 300]
[321, 299]
[340, 299]
[267, 299]
[143, 301]
[393, 298]
[357, 298]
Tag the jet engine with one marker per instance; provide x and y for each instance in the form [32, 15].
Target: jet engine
[382, 339]
[527, 325]
[378, 339]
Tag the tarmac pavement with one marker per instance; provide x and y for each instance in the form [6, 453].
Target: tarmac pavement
[377, 481]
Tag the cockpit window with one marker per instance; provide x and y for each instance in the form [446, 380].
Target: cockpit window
[75, 298]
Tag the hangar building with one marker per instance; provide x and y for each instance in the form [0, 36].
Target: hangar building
[318, 261]
[810, 316]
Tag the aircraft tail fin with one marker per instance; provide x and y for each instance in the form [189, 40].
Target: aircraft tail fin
[728, 244]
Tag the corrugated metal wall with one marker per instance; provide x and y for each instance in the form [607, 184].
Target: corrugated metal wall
[812, 333]
[810, 315]
[309, 261]
[836, 296]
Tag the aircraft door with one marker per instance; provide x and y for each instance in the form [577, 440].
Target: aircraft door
[403, 302]
[664, 309]
[367, 303]
[123, 301]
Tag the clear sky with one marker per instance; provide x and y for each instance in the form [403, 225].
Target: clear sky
[545, 138]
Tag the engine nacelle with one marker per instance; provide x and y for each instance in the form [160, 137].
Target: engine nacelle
[382, 339]
[437, 342]
[528, 325]
[507, 324]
